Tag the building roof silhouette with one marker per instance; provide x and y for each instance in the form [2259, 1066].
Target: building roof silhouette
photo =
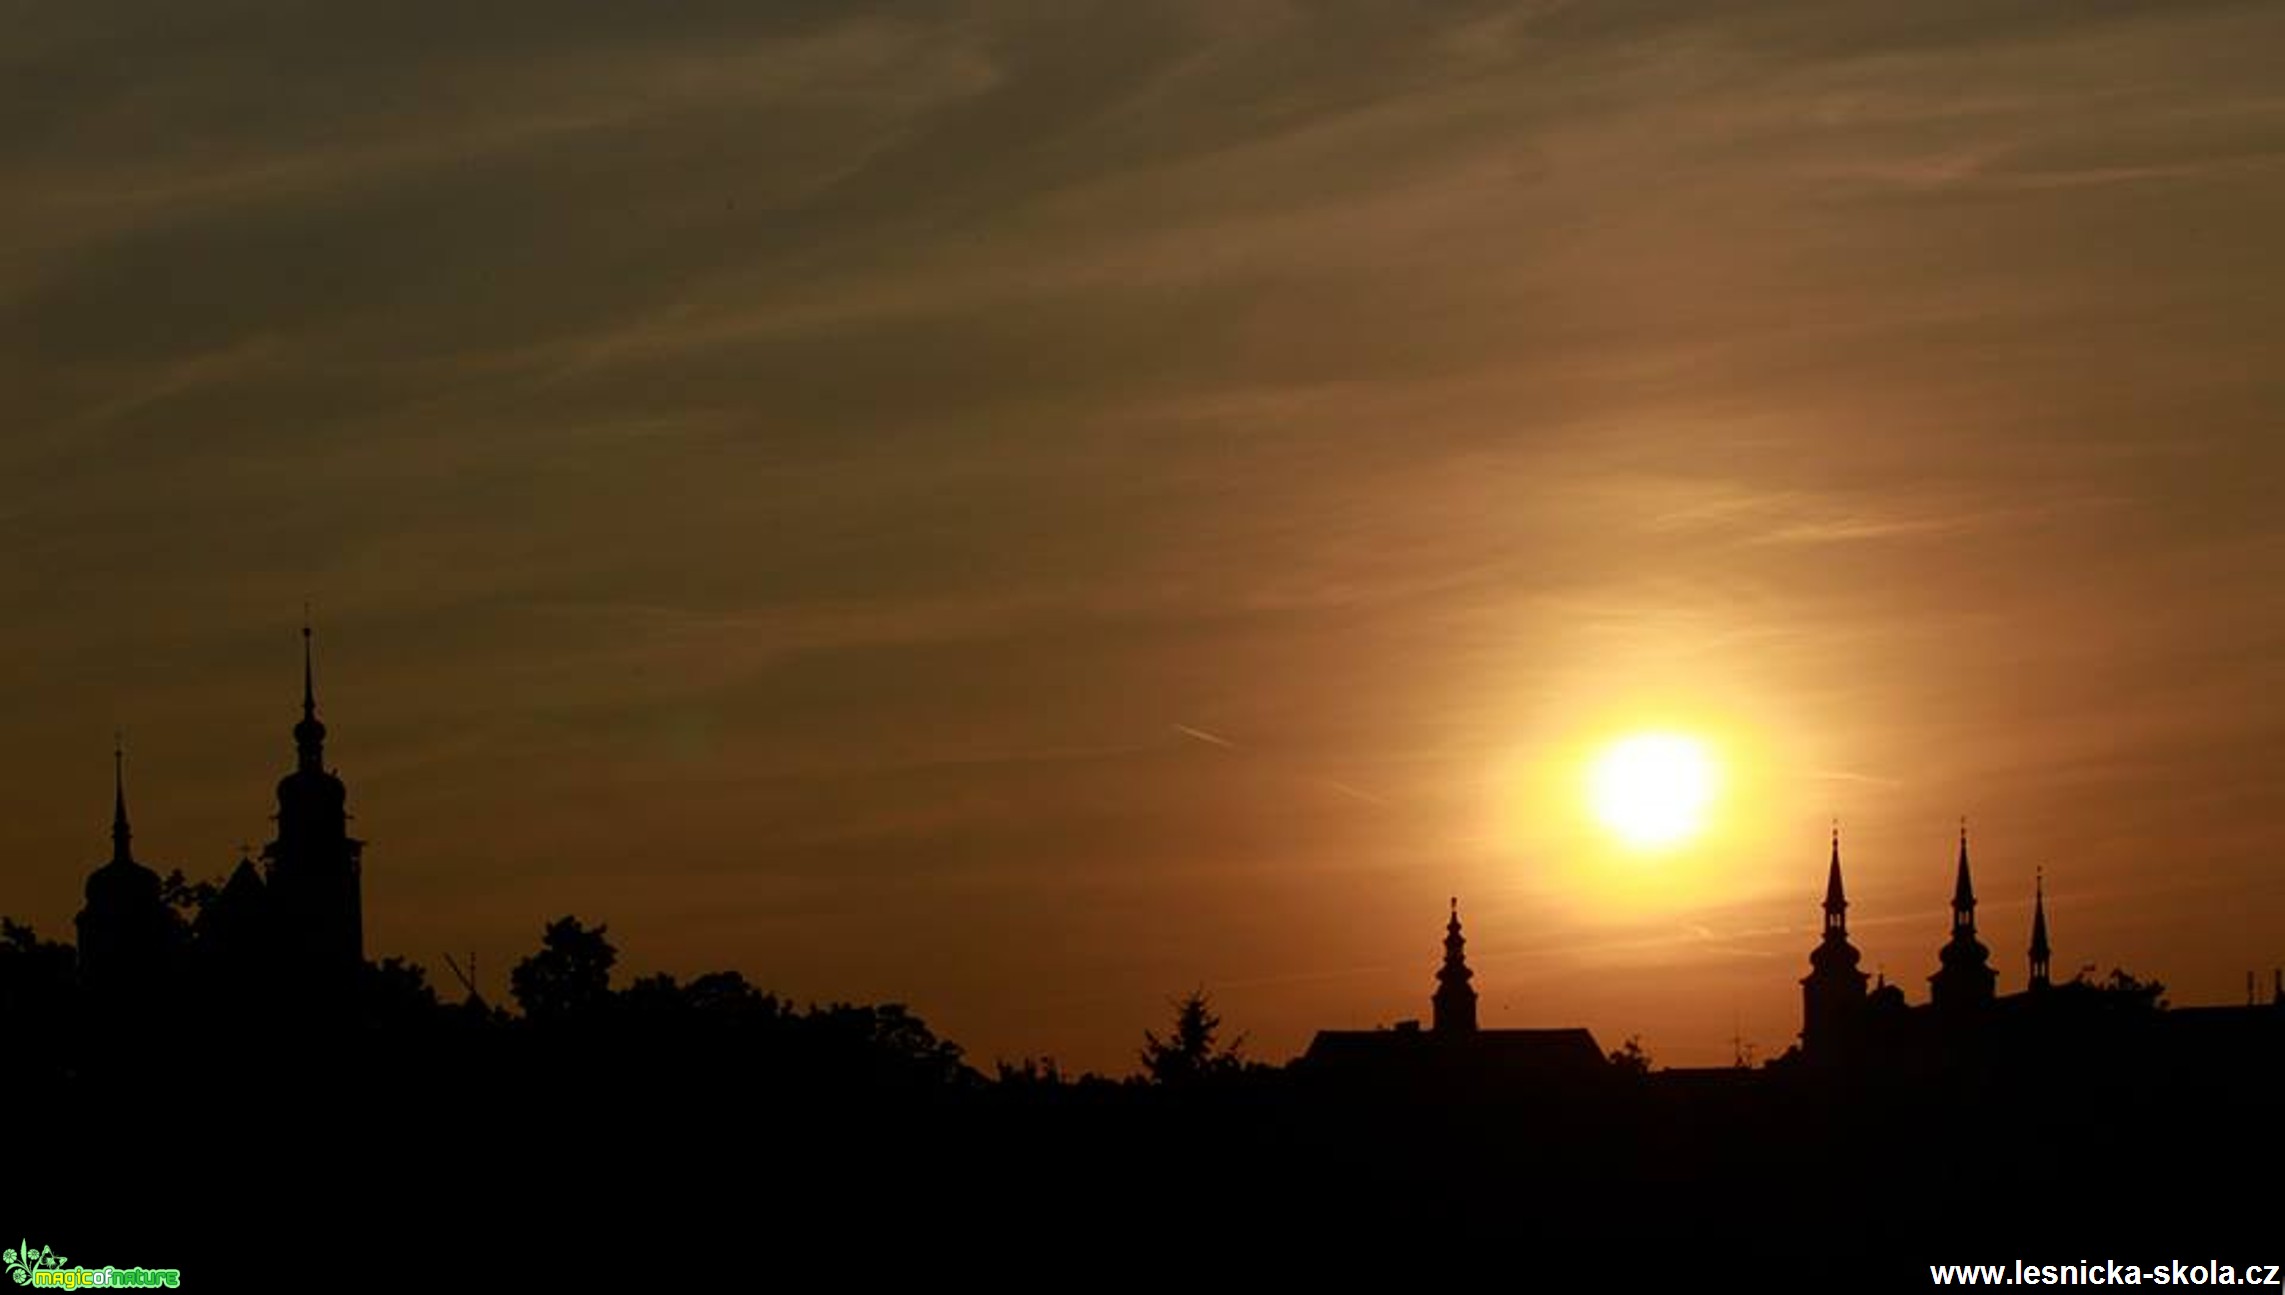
[1455, 1050]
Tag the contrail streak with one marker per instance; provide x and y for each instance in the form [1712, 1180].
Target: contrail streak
[1206, 737]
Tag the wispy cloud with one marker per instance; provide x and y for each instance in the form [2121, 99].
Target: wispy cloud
[1201, 735]
[1843, 775]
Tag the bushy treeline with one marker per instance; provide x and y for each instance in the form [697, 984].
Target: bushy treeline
[205, 1011]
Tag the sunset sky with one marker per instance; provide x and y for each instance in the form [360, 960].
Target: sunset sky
[1029, 509]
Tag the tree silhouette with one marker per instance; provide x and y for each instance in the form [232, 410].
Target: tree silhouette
[1188, 1054]
[397, 992]
[884, 1044]
[1629, 1058]
[39, 998]
[185, 897]
[726, 996]
[1030, 1073]
[569, 978]
[2126, 991]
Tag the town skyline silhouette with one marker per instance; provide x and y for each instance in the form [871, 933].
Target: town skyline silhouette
[297, 917]
[251, 999]
[1585, 643]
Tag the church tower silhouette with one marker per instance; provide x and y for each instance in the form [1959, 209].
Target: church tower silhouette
[1966, 978]
[126, 930]
[315, 901]
[1834, 989]
[1455, 1000]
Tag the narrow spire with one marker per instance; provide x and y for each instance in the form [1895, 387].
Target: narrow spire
[1834, 988]
[309, 735]
[2039, 950]
[308, 670]
[120, 835]
[1965, 979]
[1963, 890]
[1836, 899]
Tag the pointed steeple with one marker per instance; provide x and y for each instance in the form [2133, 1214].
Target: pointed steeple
[314, 901]
[309, 735]
[1835, 959]
[2039, 949]
[1964, 978]
[1836, 900]
[125, 928]
[1455, 1001]
[1963, 891]
[1834, 990]
[120, 835]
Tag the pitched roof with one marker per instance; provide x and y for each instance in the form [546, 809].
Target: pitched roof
[1509, 1053]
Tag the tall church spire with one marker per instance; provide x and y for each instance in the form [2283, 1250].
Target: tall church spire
[1836, 901]
[1455, 1001]
[314, 895]
[309, 735]
[120, 835]
[1834, 990]
[2039, 949]
[1963, 891]
[125, 928]
[1964, 978]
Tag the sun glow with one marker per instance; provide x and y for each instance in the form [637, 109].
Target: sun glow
[1637, 795]
[1653, 789]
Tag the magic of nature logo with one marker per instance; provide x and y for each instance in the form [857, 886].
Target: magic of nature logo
[42, 1267]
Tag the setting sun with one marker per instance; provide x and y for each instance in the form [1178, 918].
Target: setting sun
[1652, 789]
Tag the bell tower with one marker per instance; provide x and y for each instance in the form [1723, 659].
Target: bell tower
[126, 931]
[1455, 1001]
[316, 903]
[1834, 989]
[1966, 979]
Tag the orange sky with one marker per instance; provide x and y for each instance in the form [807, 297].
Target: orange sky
[1029, 509]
